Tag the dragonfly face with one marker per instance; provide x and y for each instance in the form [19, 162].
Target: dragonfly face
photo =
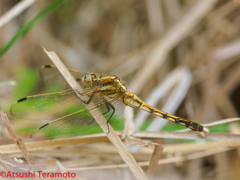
[67, 109]
[89, 80]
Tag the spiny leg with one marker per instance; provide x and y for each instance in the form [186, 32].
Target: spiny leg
[108, 104]
[90, 96]
[108, 110]
[113, 108]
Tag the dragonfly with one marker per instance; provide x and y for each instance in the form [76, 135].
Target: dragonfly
[67, 112]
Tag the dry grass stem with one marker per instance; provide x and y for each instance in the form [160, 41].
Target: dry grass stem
[47, 144]
[227, 51]
[20, 144]
[133, 62]
[129, 125]
[15, 11]
[161, 161]
[155, 17]
[60, 167]
[186, 135]
[177, 56]
[112, 135]
[141, 143]
[158, 55]
[173, 9]
[183, 80]
[158, 93]
[8, 160]
[107, 150]
[154, 160]
[4, 165]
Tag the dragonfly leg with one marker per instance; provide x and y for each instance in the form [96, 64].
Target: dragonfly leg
[108, 110]
[108, 105]
[113, 108]
[90, 97]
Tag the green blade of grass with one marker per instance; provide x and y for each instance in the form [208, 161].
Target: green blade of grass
[25, 28]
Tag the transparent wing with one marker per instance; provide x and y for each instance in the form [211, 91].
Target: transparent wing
[76, 122]
[65, 108]
[47, 106]
[83, 119]
[52, 75]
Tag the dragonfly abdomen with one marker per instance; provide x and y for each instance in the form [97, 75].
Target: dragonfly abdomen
[187, 123]
[132, 100]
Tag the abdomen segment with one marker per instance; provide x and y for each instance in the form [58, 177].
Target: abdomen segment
[132, 100]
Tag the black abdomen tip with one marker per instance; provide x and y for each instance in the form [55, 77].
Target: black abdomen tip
[43, 126]
[47, 66]
[23, 99]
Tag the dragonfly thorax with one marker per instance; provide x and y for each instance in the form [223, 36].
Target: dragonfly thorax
[123, 86]
[120, 86]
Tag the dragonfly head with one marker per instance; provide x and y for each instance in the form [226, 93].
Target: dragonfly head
[89, 79]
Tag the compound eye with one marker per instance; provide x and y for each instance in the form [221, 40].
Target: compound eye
[88, 78]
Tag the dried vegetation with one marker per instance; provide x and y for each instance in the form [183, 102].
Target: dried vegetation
[180, 56]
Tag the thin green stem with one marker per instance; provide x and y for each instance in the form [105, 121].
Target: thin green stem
[25, 28]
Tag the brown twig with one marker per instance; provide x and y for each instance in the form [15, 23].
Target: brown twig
[162, 161]
[20, 144]
[155, 17]
[154, 160]
[186, 135]
[47, 144]
[139, 142]
[112, 135]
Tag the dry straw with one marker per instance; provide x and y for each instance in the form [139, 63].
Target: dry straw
[20, 144]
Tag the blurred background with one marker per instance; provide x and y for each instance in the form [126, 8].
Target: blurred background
[180, 56]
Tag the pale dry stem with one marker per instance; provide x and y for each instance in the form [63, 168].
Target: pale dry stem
[16, 10]
[154, 160]
[20, 144]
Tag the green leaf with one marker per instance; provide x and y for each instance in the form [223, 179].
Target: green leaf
[25, 28]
